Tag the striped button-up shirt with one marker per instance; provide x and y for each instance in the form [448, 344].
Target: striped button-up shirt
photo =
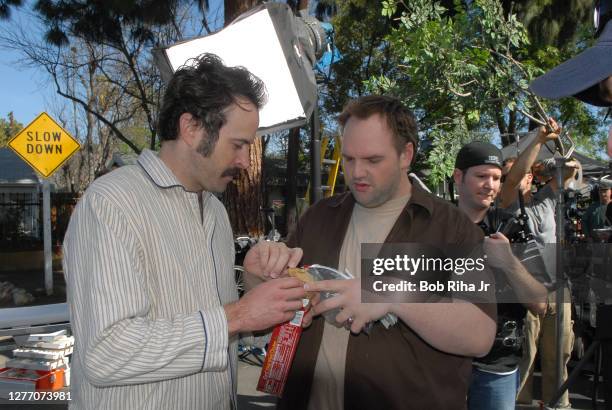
[148, 272]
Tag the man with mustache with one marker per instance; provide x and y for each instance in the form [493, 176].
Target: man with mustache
[148, 258]
[423, 360]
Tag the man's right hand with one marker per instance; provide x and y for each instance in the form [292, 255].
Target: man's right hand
[265, 306]
[549, 133]
[498, 250]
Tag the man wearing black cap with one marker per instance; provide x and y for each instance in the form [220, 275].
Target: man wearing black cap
[588, 77]
[477, 176]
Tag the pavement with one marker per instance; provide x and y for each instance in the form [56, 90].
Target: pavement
[580, 393]
[248, 397]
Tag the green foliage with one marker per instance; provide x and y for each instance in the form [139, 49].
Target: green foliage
[441, 157]
[8, 129]
[465, 72]
[452, 71]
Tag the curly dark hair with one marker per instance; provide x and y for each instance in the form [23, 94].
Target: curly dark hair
[400, 119]
[204, 87]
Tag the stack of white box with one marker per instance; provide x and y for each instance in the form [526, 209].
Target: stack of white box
[45, 351]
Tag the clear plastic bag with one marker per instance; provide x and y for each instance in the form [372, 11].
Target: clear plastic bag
[320, 272]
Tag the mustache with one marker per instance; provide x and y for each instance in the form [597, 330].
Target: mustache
[231, 172]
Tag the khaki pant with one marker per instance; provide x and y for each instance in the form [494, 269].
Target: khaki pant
[540, 332]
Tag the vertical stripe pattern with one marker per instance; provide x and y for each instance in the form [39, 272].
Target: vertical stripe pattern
[147, 275]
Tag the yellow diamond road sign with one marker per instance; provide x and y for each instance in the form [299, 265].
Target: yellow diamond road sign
[44, 144]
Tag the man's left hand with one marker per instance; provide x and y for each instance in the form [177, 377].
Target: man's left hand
[269, 260]
[348, 299]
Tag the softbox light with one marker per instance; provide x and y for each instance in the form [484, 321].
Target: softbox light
[274, 45]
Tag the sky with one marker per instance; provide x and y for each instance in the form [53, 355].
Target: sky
[25, 91]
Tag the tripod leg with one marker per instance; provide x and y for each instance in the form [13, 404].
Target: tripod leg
[596, 376]
[574, 374]
[606, 361]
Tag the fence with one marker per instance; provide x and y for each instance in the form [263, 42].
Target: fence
[21, 219]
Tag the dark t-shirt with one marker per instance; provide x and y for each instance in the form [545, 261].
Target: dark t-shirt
[506, 352]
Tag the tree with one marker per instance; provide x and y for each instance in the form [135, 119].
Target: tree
[97, 113]
[97, 144]
[465, 74]
[5, 7]
[111, 45]
[360, 32]
[459, 92]
[119, 38]
[98, 56]
[8, 129]
[552, 23]
[243, 198]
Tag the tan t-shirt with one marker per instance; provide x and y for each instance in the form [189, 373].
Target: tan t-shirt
[367, 225]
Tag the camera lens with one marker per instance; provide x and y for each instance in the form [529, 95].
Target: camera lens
[510, 325]
[509, 342]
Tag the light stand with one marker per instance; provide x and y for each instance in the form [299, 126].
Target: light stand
[559, 279]
[595, 347]
[316, 192]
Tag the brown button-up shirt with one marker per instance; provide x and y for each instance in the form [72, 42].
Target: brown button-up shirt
[389, 368]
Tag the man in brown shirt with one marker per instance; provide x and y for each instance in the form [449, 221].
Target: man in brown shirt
[423, 361]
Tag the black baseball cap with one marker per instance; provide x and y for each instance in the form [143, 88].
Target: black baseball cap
[478, 153]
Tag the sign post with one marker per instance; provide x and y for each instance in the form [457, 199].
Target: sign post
[47, 236]
[45, 146]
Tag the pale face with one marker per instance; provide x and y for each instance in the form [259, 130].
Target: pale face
[232, 150]
[478, 186]
[374, 171]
